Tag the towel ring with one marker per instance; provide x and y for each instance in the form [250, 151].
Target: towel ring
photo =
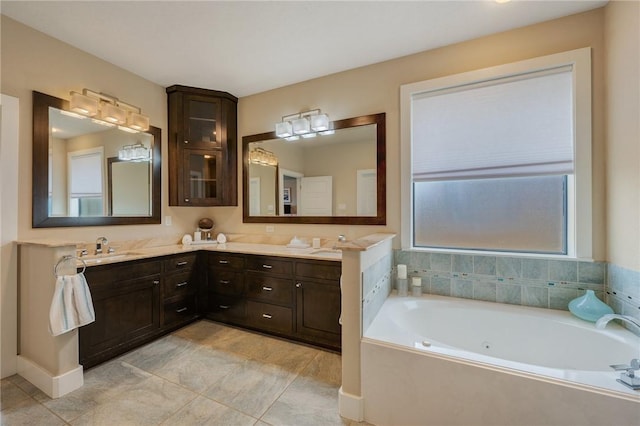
[64, 259]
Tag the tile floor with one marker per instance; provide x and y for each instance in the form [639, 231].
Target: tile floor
[203, 374]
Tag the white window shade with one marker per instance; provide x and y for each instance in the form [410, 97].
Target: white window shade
[513, 126]
[85, 174]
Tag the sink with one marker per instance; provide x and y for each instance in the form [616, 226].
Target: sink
[99, 258]
[326, 252]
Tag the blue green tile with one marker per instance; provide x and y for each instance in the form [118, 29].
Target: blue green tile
[563, 270]
[535, 296]
[441, 286]
[559, 298]
[441, 262]
[509, 293]
[484, 290]
[462, 288]
[463, 263]
[535, 269]
[509, 267]
[591, 272]
[485, 265]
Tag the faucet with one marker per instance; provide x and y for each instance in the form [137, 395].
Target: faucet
[99, 243]
[604, 320]
[341, 239]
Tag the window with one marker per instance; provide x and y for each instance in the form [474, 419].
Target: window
[86, 195]
[500, 159]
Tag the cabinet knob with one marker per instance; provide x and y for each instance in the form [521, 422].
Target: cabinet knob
[223, 262]
[267, 316]
[179, 311]
[224, 282]
[156, 282]
[182, 284]
[223, 306]
[298, 285]
[182, 263]
[186, 200]
[267, 266]
[265, 288]
[186, 141]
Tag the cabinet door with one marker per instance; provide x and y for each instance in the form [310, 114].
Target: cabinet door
[318, 311]
[202, 122]
[202, 177]
[126, 312]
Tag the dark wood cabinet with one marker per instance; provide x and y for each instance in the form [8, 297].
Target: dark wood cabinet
[137, 301]
[180, 290]
[225, 288]
[202, 147]
[126, 301]
[289, 297]
[318, 300]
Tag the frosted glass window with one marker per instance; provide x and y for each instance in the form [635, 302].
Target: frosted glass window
[490, 162]
[504, 214]
[85, 174]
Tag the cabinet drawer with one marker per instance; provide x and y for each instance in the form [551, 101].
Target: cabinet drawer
[270, 265]
[108, 274]
[226, 282]
[225, 260]
[178, 263]
[227, 307]
[270, 289]
[179, 285]
[270, 317]
[183, 309]
[325, 270]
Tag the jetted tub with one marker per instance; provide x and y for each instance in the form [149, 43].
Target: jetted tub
[445, 344]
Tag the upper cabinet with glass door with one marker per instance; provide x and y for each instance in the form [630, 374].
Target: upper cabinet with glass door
[202, 147]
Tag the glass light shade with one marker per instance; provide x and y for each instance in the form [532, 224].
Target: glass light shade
[113, 114]
[319, 122]
[284, 129]
[138, 121]
[127, 129]
[83, 104]
[292, 138]
[301, 126]
[309, 135]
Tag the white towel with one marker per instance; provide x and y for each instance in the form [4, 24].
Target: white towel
[71, 306]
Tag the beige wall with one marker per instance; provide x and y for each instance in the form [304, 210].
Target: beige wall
[376, 88]
[622, 35]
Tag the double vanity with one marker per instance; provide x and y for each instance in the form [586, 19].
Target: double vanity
[291, 293]
[142, 294]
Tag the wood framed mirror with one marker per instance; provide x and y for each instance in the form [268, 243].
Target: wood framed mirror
[328, 179]
[73, 173]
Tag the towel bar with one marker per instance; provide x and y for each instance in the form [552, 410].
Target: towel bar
[66, 258]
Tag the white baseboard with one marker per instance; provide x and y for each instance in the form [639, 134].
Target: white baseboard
[351, 406]
[54, 386]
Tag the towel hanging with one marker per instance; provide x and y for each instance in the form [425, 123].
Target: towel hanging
[71, 306]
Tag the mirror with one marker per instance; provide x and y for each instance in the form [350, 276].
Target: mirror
[328, 179]
[78, 179]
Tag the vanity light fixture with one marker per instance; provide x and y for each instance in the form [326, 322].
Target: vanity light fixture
[306, 124]
[135, 152]
[262, 157]
[107, 109]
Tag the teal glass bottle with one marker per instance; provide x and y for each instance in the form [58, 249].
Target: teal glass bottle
[588, 307]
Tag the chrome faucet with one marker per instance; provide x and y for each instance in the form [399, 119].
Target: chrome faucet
[101, 241]
[604, 320]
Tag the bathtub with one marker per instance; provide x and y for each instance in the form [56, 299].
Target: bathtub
[506, 359]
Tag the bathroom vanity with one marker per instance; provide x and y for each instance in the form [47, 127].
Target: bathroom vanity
[137, 300]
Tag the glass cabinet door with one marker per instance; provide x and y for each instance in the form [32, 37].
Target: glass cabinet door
[202, 123]
[202, 176]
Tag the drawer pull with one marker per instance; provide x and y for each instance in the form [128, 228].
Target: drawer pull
[223, 306]
[181, 310]
[181, 263]
[182, 284]
[267, 288]
[267, 266]
[224, 281]
[156, 282]
[298, 285]
[266, 316]
[223, 262]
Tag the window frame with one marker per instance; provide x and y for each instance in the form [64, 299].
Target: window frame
[579, 186]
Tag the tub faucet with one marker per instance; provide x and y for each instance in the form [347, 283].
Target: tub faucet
[101, 241]
[604, 320]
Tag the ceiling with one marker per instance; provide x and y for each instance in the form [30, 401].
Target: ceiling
[247, 47]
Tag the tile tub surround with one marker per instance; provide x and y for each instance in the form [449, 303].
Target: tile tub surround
[376, 286]
[623, 290]
[542, 283]
[205, 373]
